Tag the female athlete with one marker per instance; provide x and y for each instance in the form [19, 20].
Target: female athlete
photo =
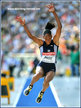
[48, 49]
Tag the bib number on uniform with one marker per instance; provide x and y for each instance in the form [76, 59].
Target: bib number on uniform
[48, 57]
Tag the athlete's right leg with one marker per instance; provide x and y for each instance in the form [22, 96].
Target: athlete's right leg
[36, 77]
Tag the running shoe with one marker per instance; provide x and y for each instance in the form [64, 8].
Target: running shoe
[39, 98]
[27, 90]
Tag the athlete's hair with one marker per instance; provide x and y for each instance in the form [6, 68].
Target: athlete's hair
[48, 28]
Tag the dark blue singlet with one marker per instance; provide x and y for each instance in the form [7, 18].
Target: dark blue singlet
[48, 57]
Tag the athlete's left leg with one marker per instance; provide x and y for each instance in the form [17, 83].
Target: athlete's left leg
[49, 76]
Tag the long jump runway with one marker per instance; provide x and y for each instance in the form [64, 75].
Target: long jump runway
[30, 100]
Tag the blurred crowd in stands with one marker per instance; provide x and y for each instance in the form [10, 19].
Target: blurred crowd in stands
[15, 40]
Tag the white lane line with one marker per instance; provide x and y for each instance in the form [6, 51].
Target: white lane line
[19, 94]
[55, 94]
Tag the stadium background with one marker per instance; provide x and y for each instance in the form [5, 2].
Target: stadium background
[20, 54]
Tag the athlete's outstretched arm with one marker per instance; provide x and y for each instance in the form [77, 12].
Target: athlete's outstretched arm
[34, 38]
[58, 32]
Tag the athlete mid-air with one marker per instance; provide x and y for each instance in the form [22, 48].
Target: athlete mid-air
[48, 49]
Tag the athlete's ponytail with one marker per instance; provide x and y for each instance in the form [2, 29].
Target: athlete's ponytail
[48, 28]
